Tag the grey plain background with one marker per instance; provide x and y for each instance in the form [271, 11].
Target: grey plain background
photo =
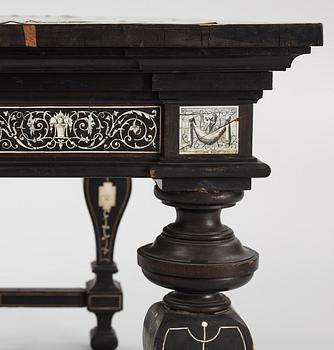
[46, 234]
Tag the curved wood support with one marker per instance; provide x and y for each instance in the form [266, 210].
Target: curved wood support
[106, 200]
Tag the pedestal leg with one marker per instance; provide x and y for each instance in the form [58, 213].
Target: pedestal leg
[106, 200]
[198, 257]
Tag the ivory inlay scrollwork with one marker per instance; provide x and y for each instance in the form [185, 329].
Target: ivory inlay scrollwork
[80, 129]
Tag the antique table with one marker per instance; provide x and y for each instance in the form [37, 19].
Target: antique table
[172, 102]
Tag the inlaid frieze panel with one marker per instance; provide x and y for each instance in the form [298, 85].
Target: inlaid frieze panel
[209, 130]
[80, 129]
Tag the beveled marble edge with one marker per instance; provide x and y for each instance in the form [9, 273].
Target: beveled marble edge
[16, 19]
[67, 19]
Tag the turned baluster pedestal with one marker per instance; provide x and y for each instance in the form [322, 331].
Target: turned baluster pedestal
[198, 257]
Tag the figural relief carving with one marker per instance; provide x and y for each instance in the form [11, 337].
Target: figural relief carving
[80, 129]
[209, 129]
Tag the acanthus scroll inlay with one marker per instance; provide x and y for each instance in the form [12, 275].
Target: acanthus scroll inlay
[80, 129]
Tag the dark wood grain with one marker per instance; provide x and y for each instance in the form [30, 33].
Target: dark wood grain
[165, 35]
[39, 297]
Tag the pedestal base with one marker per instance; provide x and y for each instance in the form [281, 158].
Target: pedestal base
[166, 329]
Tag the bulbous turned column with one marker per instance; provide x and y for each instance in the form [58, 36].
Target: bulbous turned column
[198, 257]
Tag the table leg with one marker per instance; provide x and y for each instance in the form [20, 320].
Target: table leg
[198, 257]
[106, 199]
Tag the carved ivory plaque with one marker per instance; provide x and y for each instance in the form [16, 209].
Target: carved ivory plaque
[209, 130]
[112, 129]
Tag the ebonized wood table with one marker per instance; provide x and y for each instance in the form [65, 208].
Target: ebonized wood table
[171, 102]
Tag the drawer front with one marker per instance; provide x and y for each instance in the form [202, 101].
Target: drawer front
[80, 129]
